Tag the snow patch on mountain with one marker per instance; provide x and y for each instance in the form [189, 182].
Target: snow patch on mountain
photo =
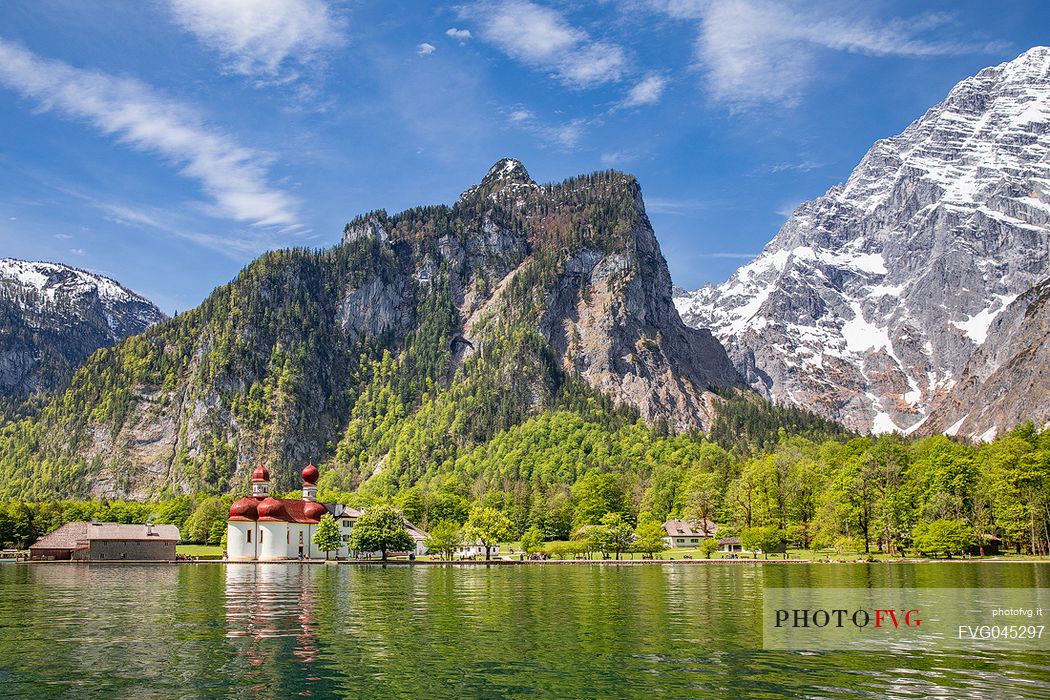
[870, 300]
[52, 317]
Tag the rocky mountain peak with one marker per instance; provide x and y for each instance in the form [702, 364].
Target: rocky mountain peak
[871, 299]
[505, 175]
[371, 225]
[507, 170]
[52, 317]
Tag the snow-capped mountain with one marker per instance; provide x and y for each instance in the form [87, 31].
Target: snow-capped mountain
[52, 317]
[871, 299]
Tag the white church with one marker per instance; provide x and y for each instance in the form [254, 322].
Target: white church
[261, 528]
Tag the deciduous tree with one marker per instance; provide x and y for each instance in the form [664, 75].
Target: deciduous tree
[381, 528]
[326, 536]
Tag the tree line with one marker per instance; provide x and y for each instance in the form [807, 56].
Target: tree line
[561, 478]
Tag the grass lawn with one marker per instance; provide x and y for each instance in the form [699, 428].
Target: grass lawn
[199, 550]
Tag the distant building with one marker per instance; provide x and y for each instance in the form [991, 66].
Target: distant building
[419, 537]
[986, 545]
[475, 549]
[688, 533]
[262, 528]
[107, 542]
[730, 544]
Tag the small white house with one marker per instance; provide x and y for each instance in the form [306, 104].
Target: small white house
[687, 533]
[475, 549]
[730, 544]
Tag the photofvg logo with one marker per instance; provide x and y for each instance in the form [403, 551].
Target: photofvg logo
[896, 619]
[841, 617]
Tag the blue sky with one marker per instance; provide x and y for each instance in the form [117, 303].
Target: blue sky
[167, 143]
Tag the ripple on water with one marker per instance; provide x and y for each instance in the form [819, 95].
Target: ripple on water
[560, 631]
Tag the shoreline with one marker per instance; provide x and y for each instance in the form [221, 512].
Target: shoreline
[508, 562]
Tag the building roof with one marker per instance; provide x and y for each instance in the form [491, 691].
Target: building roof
[340, 511]
[729, 540]
[417, 534]
[690, 528]
[73, 535]
[288, 510]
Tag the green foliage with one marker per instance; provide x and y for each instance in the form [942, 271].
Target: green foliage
[567, 549]
[649, 537]
[943, 537]
[326, 537]
[708, 546]
[444, 538]
[208, 522]
[763, 539]
[487, 526]
[746, 422]
[615, 534]
[597, 495]
[380, 528]
[532, 540]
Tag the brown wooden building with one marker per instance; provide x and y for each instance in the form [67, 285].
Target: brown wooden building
[107, 542]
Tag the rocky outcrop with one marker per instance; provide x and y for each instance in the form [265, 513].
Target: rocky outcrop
[1007, 380]
[870, 301]
[52, 317]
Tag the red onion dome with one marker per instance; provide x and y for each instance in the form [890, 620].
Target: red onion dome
[244, 509]
[314, 510]
[271, 509]
[309, 474]
[261, 473]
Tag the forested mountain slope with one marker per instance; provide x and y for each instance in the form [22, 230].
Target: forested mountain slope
[419, 336]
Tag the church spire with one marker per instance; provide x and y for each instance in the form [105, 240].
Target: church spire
[310, 483]
[260, 482]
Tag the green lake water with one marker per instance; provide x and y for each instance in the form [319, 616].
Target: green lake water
[586, 631]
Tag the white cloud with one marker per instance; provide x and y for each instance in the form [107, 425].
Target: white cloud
[425, 49]
[730, 256]
[760, 51]
[788, 208]
[461, 34]
[803, 166]
[681, 9]
[613, 159]
[236, 245]
[234, 176]
[520, 115]
[261, 37]
[664, 205]
[544, 38]
[78, 251]
[63, 236]
[565, 136]
[647, 92]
